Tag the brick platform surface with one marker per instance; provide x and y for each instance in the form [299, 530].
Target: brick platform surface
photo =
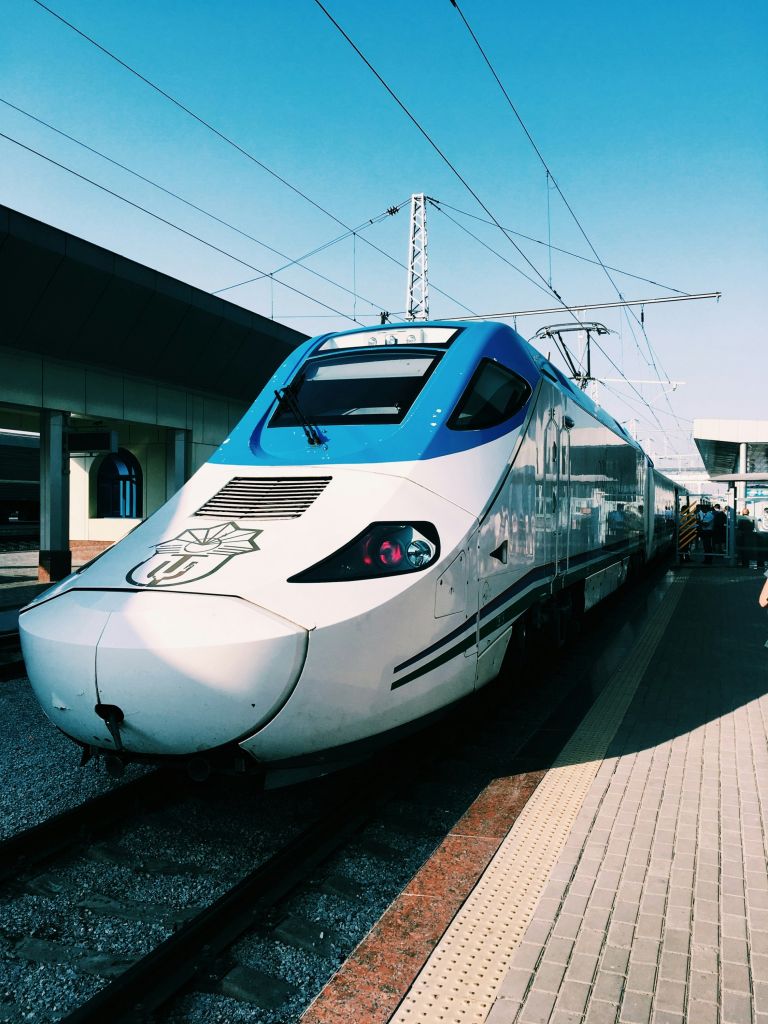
[657, 909]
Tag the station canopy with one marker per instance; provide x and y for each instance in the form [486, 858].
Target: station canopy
[70, 300]
[723, 443]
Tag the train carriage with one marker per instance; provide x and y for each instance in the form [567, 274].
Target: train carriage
[357, 555]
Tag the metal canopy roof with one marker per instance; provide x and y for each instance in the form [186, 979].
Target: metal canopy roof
[65, 298]
[719, 443]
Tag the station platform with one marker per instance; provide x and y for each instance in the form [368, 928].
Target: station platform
[18, 586]
[632, 885]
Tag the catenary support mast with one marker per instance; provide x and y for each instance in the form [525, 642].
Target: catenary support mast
[417, 295]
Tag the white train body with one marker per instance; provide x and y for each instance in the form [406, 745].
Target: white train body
[339, 570]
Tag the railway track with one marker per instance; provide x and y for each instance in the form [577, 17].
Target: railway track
[82, 824]
[11, 661]
[135, 989]
[173, 941]
[149, 983]
[194, 955]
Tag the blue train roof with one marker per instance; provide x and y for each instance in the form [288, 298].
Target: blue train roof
[429, 365]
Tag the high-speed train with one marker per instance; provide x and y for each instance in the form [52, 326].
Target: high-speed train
[397, 506]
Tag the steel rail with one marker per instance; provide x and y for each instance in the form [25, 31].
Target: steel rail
[164, 972]
[69, 828]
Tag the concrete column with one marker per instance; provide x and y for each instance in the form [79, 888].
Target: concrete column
[741, 487]
[55, 561]
[178, 460]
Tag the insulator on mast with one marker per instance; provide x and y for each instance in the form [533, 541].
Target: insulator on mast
[417, 295]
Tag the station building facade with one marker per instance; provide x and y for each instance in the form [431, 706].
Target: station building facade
[129, 378]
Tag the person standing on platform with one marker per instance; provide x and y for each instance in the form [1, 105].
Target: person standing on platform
[761, 540]
[686, 533]
[719, 534]
[744, 531]
[763, 599]
[707, 528]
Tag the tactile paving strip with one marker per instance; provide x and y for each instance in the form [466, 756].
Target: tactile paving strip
[462, 976]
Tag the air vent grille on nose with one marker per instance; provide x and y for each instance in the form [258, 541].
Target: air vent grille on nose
[250, 497]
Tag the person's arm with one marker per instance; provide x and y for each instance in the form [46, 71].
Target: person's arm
[763, 599]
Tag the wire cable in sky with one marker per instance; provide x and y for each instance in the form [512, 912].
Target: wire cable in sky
[552, 178]
[278, 177]
[684, 431]
[321, 248]
[474, 195]
[190, 113]
[213, 216]
[439, 151]
[230, 142]
[438, 203]
[170, 223]
[490, 248]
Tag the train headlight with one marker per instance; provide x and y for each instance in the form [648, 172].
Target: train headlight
[419, 553]
[382, 549]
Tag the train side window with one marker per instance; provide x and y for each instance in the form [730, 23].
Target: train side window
[492, 396]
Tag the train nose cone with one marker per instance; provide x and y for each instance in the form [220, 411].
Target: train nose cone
[188, 671]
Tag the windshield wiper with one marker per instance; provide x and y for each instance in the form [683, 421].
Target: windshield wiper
[287, 397]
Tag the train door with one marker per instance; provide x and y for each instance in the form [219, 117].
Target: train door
[650, 514]
[552, 496]
[564, 496]
[493, 554]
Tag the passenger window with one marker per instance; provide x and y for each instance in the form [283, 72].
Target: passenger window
[494, 395]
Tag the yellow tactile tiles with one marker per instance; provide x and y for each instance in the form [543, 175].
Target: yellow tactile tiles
[463, 974]
[370, 984]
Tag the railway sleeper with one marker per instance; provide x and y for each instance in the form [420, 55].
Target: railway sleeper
[249, 985]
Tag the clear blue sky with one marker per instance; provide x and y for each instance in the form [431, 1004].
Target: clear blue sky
[652, 116]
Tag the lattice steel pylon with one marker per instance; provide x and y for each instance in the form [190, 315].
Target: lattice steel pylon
[417, 295]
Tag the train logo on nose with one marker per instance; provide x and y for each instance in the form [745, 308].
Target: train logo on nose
[193, 555]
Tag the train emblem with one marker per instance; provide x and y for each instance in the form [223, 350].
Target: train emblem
[193, 555]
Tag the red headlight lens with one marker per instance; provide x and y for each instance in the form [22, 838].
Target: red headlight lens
[391, 553]
[383, 549]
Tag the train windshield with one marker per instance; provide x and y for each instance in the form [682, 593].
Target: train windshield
[359, 388]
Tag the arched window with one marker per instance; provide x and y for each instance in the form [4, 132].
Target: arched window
[119, 487]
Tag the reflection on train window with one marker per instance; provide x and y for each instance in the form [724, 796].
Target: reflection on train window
[494, 395]
[363, 388]
[119, 487]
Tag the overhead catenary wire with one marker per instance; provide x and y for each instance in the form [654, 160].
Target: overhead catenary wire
[461, 227]
[454, 170]
[278, 177]
[442, 206]
[545, 165]
[171, 224]
[597, 305]
[391, 211]
[231, 142]
[648, 405]
[465, 183]
[213, 216]
[551, 177]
